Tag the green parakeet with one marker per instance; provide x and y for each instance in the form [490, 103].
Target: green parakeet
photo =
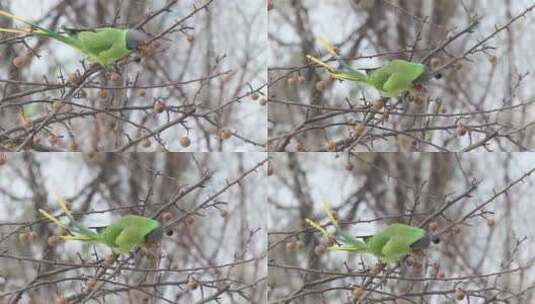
[391, 79]
[103, 45]
[127, 233]
[389, 245]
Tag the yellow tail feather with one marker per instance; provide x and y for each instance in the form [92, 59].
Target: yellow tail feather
[51, 218]
[317, 227]
[63, 204]
[14, 31]
[330, 214]
[77, 237]
[11, 16]
[326, 45]
[321, 63]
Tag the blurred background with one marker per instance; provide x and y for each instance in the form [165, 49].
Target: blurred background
[211, 58]
[486, 251]
[218, 252]
[483, 101]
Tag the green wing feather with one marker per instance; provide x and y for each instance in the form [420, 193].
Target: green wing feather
[128, 232]
[395, 249]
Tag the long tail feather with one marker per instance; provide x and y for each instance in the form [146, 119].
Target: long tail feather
[79, 237]
[64, 205]
[75, 226]
[330, 214]
[15, 31]
[317, 227]
[52, 218]
[33, 25]
[326, 45]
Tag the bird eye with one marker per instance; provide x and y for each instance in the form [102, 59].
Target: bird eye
[169, 232]
[436, 240]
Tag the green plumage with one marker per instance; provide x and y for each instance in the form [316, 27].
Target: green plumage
[126, 234]
[391, 79]
[389, 245]
[103, 45]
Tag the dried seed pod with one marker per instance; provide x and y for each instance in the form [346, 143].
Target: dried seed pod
[320, 250]
[185, 142]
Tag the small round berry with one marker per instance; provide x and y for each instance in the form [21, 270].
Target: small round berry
[300, 79]
[20, 61]
[491, 222]
[292, 80]
[456, 230]
[330, 146]
[300, 146]
[441, 275]
[73, 147]
[435, 62]
[263, 101]
[459, 295]
[82, 93]
[192, 283]
[378, 105]
[53, 139]
[377, 267]
[190, 220]
[357, 292]
[330, 241]
[141, 92]
[291, 246]
[24, 236]
[73, 79]
[321, 85]
[360, 129]
[26, 123]
[103, 93]
[349, 167]
[109, 260]
[461, 130]
[185, 142]
[459, 66]
[166, 216]
[53, 241]
[190, 38]
[159, 107]
[225, 134]
[492, 59]
[418, 266]
[146, 142]
[61, 300]
[410, 261]
[255, 96]
[299, 244]
[32, 235]
[320, 250]
[433, 226]
[224, 214]
[90, 283]
[57, 104]
[269, 169]
[113, 76]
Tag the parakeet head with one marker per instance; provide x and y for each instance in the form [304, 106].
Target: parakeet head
[135, 38]
[424, 242]
[155, 235]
